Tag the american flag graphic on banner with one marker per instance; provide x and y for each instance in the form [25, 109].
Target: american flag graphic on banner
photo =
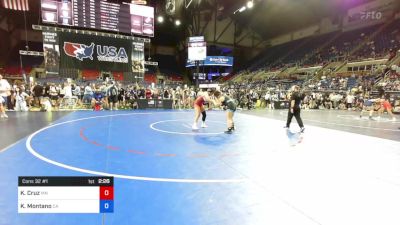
[21, 5]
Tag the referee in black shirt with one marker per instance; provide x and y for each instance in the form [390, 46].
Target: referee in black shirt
[294, 108]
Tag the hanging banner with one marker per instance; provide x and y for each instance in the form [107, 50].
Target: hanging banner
[51, 52]
[81, 51]
[138, 57]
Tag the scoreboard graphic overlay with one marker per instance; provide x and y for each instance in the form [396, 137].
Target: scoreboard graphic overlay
[65, 194]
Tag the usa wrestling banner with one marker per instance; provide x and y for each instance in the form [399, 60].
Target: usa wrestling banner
[83, 51]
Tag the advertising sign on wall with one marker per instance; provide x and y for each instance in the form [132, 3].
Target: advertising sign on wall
[213, 61]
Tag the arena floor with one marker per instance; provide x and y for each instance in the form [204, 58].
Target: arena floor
[342, 170]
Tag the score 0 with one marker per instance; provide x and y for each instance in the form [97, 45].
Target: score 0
[106, 197]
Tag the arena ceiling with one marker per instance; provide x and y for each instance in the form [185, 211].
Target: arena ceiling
[269, 18]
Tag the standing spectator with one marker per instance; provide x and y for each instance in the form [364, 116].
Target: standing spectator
[2, 109]
[67, 90]
[174, 99]
[61, 91]
[5, 92]
[20, 97]
[121, 97]
[294, 108]
[268, 100]
[274, 98]
[67, 94]
[11, 97]
[37, 94]
[349, 101]
[166, 94]
[148, 93]
[178, 97]
[46, 90]
[54, 94]
[192, 97]
[76, 91]
[132, 97]
[112, 94]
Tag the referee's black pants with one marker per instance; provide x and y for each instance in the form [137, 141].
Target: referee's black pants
[296, 114]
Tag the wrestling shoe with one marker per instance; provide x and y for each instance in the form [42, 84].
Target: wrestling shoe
[203, 125]
[194, 127]
[229, 131]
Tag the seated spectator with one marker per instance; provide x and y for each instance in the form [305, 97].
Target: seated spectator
[98, 100]
[87, 94]
[45, 104]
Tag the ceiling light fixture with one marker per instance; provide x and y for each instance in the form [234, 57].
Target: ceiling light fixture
[242, 9]
[250, 4]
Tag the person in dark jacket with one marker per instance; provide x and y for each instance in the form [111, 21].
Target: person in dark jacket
[294, 108]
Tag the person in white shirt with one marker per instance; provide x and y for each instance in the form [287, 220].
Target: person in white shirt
[88, 94]
[20, 100]
[67, 93]
[67, 90]
[76, 91]
[349, 101]
[2, 110]
[268, 100]
[54, 91]
[5, 91]
[174, 101]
